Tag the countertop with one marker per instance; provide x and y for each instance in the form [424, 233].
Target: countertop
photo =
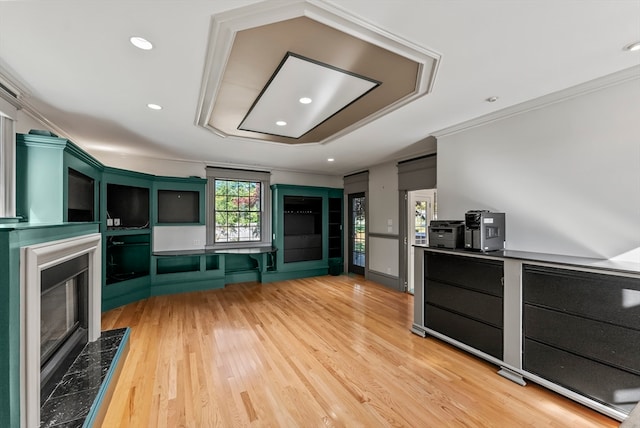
[208, 251]
[584, 262]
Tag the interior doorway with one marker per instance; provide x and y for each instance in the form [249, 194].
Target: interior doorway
[357, 233]
[421, 209]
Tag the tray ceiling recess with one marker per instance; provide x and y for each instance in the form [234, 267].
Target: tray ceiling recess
[302, 72]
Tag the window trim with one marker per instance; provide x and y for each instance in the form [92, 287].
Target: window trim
[264, 177]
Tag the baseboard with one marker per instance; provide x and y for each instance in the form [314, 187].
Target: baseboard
[384, 279]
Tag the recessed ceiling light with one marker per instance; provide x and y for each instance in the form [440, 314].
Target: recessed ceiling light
[281, 123]
[141, 43]
[305, 100]
[330, 160]
[154, 106]
[633, 47]
[492, 99]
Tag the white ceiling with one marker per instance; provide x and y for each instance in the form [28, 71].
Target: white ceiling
[74, 62]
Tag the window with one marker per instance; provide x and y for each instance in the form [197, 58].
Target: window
[239, 208]
[237, 213]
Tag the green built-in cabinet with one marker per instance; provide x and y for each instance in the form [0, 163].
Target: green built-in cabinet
[55, 180]
[307, 230]
[59, 183]
[126, 243]
[136, 203]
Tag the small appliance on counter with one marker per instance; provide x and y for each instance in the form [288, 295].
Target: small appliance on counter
[484, 230]
[446, 233]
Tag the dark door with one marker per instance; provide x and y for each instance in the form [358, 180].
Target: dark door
[357, 227]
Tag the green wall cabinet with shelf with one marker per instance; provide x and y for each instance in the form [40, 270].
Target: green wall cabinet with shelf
[307, 231]
[179, 201]
[126, 243]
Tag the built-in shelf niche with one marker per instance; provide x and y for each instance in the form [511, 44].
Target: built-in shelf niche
[80, 197]
[128, 257]
[127, 207]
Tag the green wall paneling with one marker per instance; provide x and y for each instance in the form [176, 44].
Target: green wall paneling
[39, 178]
[181, 282]
[241, 276]
[125, 292]
[274, 276]
[12, 238]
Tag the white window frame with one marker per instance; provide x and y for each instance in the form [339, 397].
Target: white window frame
[264, 177]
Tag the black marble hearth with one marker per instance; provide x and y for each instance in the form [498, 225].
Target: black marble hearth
[80, 393]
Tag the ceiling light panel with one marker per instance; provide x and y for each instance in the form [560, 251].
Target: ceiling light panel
[141, 43]
[297, 77]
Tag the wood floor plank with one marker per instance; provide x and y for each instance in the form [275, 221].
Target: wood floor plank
[315, 352]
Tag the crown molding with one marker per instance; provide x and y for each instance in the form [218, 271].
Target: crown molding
[613, 79]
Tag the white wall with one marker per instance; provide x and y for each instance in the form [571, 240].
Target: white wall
[383, 199]
[184, 169]
[302, 179]
[383, 218]
[567, 175]
[177, 168]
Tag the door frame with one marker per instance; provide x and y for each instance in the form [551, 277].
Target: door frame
[350, 267]
[403, 227]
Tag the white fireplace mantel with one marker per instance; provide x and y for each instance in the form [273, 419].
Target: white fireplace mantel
[34, 259]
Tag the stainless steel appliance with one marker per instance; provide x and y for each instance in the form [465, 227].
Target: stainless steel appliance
[446, 233]
[484, 230]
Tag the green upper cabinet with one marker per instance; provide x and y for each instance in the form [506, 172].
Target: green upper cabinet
[307, 229]
[179, 201]
[55, 180]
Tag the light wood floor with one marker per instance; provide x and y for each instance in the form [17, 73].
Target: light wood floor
[325, 351]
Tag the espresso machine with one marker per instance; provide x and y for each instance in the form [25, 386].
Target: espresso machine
[484, 230]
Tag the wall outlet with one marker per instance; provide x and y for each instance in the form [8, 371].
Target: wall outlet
[116, 222]
[109, 222]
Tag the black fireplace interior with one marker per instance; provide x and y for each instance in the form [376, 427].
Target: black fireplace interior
[63, 319]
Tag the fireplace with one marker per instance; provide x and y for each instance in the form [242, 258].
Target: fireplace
[63, 319]
[60, 287]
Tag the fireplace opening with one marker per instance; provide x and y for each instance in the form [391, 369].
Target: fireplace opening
[63, 319]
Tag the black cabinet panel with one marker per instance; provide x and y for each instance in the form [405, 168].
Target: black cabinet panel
[603, 383]
[470, 272]
[302, 254]
[480, 306]
[602, 297]
[292, 242]
[604, 342]
[476, 334]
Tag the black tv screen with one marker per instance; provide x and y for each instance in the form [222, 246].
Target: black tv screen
[178, 206]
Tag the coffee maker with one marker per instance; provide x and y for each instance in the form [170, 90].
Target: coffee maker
[484, 230]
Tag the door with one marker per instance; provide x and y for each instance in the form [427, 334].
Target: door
[357, 229]
[420, 211]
